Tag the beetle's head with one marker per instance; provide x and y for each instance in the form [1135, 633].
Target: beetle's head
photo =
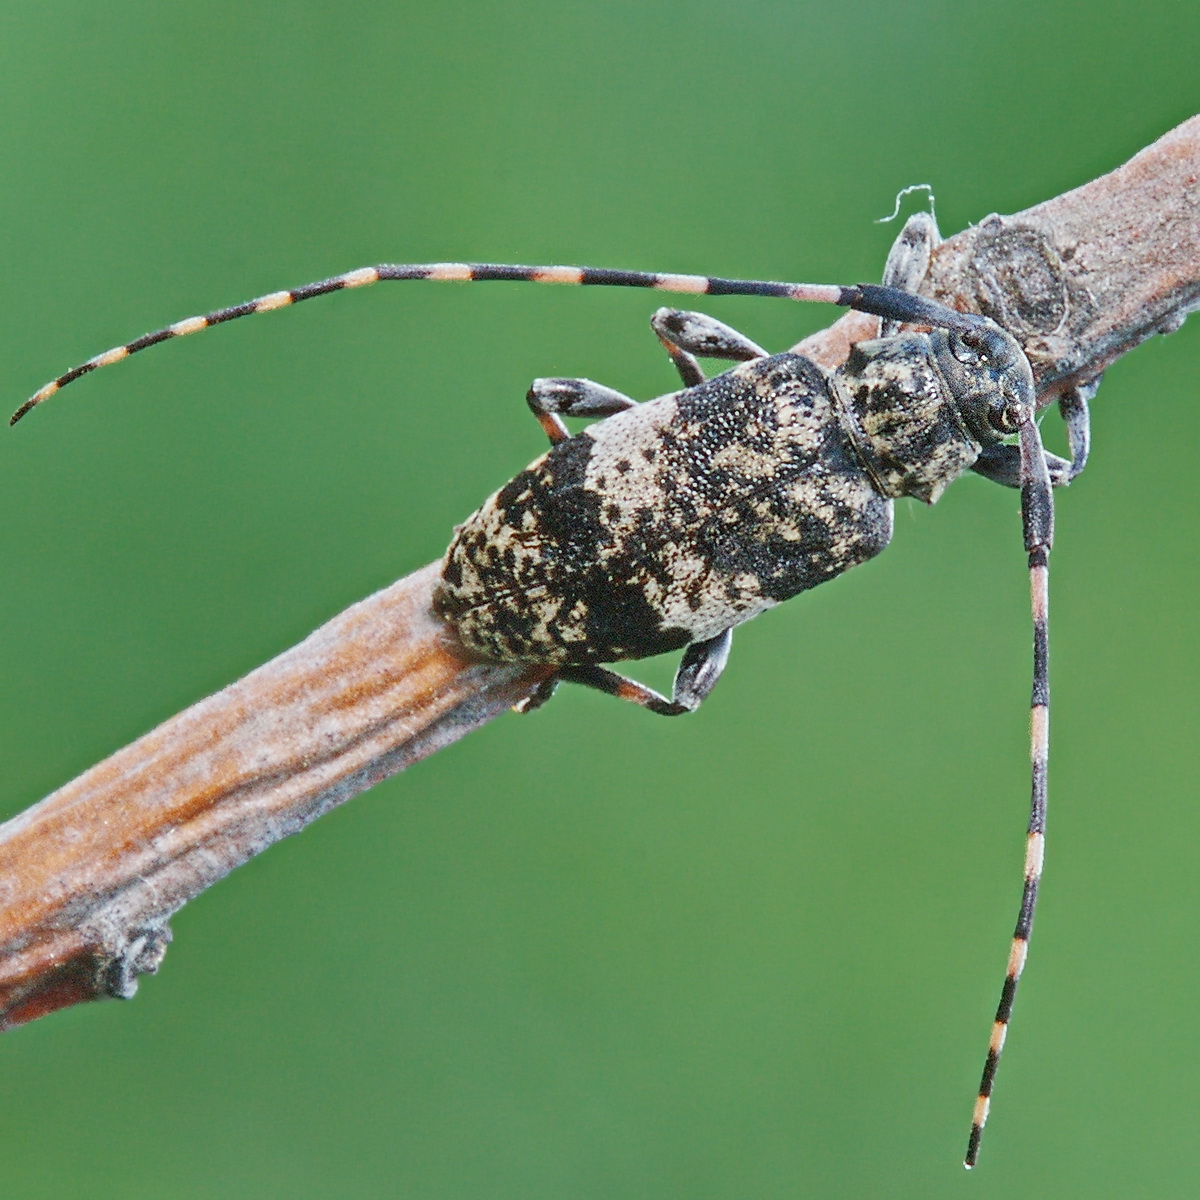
[989, 376]
[926, 402]
[985, 368]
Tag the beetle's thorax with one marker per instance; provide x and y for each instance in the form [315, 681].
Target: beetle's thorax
[900, 413]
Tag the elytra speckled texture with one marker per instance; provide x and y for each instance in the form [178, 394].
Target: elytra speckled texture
[678, 519]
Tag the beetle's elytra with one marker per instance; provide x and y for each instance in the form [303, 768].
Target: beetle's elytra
[665, 524]
[671, 522]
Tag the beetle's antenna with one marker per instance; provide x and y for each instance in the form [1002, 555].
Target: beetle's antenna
[1037, 518]
[871, 298]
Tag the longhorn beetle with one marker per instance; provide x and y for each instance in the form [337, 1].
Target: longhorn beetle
[669, 522]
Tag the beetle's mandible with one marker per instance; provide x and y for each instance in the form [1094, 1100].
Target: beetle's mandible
[666, 524]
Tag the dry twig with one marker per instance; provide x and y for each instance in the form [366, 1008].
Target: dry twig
[90, 876]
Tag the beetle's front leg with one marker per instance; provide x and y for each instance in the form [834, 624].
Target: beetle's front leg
[1073, 406]
[699, 670]
[1002, 464]
[573, 398]
[908, 260]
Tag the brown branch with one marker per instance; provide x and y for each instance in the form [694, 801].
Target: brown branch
[1080, 279]
[89, 877]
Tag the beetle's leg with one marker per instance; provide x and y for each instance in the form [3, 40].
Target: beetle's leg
[1002, 464]
[699, 670]
[539, 695]
[604, 680]
[574, 398]
[908, 260]
[1073, 405]
[688, 335]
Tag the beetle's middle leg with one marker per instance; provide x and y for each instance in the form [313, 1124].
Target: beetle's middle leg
[699, 670]
[573, 398]
[683, 334]
[687, 336]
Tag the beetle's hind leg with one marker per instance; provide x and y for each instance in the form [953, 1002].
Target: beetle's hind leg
[573, 398]
[540, 694]
[699, 670]
[687, 336]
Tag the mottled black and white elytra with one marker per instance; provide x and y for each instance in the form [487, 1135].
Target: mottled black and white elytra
[666, 524]
[670, 522]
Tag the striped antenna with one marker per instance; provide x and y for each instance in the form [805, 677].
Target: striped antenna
[1037, 518]
[886, 302]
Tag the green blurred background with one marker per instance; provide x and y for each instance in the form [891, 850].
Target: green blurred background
[753, 953]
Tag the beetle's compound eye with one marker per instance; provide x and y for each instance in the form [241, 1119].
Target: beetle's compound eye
[967, 347]
[986, 344]
[1005, 414]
